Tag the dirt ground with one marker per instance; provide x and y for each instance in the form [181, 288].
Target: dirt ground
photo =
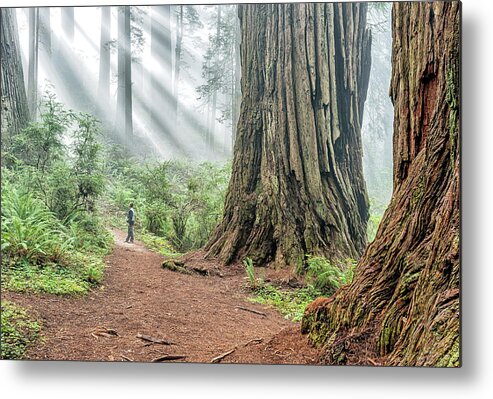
[198, 315]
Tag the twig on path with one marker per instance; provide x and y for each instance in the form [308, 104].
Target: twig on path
[167, 357]
[153, 340]
[251, 310]
[256, 340]
[104, 332]
[217, 359]
[126, 358]
[372, 362]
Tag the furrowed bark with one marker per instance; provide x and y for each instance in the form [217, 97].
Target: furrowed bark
[14, 112]
[297, 185]
[404, 301]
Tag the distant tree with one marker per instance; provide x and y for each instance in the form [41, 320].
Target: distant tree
[32, 77]
[221, 71]
[45, 32]
[14, 109]
[124, 125]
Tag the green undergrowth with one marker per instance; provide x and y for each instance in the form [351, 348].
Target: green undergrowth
[290, 303]
[18, 331]
[322, 278]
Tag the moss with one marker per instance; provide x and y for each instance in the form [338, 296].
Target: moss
[451, 357]
[418, 192]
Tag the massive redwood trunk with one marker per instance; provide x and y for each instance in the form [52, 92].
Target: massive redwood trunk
[403, 304]
[297, 185]
[14, 109]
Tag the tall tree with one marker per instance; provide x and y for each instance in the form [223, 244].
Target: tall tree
[297, 184]
[124, 123]
[178, 51]
[161, 52]
[236, 86]
[32, 77]
[104, 55]
[14, 109]
[403, 304]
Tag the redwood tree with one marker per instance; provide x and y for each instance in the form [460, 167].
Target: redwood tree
[14, 111]
[297, 183]
[403, 304]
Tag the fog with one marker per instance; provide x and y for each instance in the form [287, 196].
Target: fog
[195, 127]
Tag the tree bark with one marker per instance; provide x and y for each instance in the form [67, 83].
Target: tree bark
[104, 56]
[14, 112]
[403, 304]
[297, 184]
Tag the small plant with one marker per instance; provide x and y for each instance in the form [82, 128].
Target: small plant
[327, 277]
[290, 303]
[18, 331]
[250, 272]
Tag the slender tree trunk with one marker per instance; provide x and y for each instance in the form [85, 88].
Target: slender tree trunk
[297, 185]
[212, 130]
[403, 304]
[104, 56]
[14, 112]
[162, 85]
[45, 32]
[32, 78]
[178, 50]
[124, 94]
[68, 23]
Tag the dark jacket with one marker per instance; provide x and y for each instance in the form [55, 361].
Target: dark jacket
[131, 217]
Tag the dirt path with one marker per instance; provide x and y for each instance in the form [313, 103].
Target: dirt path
[199, 315]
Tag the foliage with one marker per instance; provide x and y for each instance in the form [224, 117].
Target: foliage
[327, 277]
[291, 303]
[179, 201]
[250, 271]
[18, 331]
[29, 230]
[52, 240]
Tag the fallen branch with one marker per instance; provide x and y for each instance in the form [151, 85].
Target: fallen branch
[167, 357]
[153, 340]
[104, 332]
[217, 359]
[256, 340]
[251, 310]
[126, 358]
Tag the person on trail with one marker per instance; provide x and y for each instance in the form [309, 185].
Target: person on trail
[131, 222]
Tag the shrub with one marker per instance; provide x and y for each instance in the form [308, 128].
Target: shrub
[327, 277]
[30, 230]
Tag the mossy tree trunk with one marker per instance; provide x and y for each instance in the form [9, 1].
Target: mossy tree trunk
[297, 185]
[14, 112]
[403, 304]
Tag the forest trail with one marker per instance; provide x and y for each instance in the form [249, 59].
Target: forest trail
[198, 315]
